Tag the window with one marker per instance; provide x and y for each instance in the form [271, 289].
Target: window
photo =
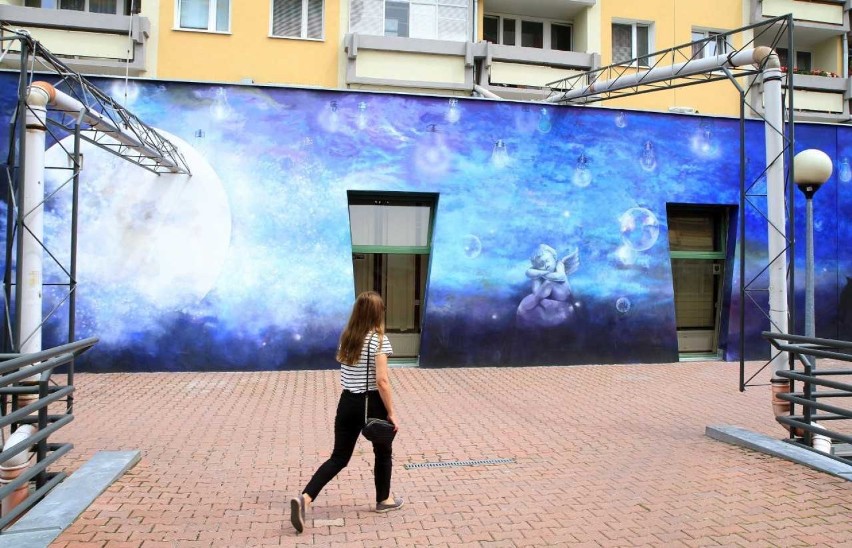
[297, 19]
[509, 32]
[111, 7]
[541, 34]
[560, 37]
[803, 59]
[491, 29]
[631, 41]
[211, 15]
[532, 34]
[714, 43]
[432, 19]
[396, 19]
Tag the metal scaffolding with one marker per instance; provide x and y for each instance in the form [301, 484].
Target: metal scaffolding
[685, 65]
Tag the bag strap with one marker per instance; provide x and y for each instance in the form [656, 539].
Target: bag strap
[367, 377]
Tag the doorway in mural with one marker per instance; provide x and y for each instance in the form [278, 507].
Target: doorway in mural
[391, 244]
[698, 250]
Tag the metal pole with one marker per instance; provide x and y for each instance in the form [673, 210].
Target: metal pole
[742, 240]
[19, 191]
[809, 267]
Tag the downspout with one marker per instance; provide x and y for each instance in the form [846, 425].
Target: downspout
[30, 262]
[777, 220]
[13, 467]
[474, 36]
[31, 210]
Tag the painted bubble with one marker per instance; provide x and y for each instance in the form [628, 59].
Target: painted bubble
[472, 246]
[622, 305]
[621, 120]
[639, 228]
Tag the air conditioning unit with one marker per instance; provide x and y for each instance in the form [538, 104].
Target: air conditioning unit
[683, 110]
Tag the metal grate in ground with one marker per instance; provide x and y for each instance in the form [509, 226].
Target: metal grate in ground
[457, 463]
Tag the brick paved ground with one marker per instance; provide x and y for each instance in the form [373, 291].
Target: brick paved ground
[605, 455]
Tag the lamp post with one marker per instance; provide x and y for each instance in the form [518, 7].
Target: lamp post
[812, 168]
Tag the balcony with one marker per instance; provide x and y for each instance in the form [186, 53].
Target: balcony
[379, 62]
[390, 62]
[546, 31]
[826, 14]
[816, 98]
[90, 43]
[520, 73]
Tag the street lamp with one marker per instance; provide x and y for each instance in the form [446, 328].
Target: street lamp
[812, 168]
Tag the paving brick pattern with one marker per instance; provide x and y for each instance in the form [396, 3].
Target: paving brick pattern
[604, 456]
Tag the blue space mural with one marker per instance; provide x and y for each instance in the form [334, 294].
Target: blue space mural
[550, 241]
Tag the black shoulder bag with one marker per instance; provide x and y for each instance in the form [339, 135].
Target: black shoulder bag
[376, 430]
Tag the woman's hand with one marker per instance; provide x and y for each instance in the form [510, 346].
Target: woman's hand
[392, 418]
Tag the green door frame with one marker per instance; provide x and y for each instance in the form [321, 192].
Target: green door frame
[399, 198]
[721, 238]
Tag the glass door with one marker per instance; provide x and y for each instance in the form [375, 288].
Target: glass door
[697, 248]
[391, 244]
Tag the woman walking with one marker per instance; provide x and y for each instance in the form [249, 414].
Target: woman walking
[363, 355]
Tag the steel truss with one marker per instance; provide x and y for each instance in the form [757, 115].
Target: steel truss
[688, 67]
[96, 118]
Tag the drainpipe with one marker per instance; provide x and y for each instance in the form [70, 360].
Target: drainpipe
[30, 236]
[776, 215]
[473, 27]
[29, 278]
[13, 467]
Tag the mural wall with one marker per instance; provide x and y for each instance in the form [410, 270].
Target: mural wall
[550, 240]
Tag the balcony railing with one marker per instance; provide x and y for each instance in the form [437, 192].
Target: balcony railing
[826, 13]
[94, 43]
[816, 98]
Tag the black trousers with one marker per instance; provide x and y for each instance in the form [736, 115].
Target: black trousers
[347, 427]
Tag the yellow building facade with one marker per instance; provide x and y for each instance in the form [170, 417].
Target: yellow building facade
[246, 42]
[508, 49]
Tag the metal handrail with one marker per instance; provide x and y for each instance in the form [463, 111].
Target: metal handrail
[805, 350]
[16, 368]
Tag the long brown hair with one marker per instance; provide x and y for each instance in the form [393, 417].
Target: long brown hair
[368, 314]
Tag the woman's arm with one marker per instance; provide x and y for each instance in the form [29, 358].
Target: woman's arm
[384, 386]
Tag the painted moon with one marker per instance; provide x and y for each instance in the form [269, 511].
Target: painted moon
[161, 240]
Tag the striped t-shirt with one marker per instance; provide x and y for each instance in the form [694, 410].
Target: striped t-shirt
[352, 376]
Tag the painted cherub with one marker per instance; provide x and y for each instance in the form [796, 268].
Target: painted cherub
[550, 301]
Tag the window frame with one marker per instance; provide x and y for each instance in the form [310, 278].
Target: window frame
[718, 37]
[784, 57]
[304, 26]
[122, 7]
[211, 18]
[635, 59]
[373, 31]
[547, 41]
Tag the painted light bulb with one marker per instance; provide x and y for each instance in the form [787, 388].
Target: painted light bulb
[453, 112]
[582, 177]
[220, 109]
[844, 171]
[500, 155]
[544, 123]
[648, 159]
[362, 115]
